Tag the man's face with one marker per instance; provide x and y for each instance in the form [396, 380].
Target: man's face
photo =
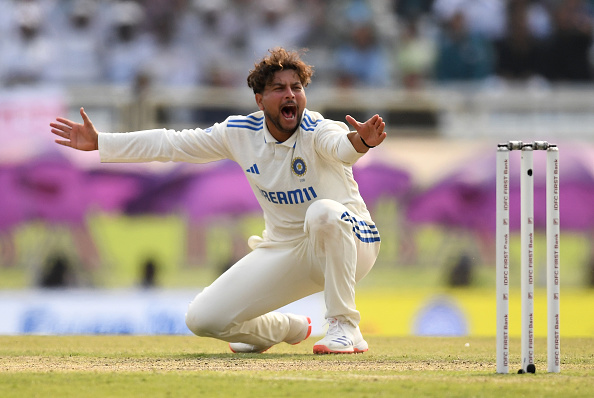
[283, 102]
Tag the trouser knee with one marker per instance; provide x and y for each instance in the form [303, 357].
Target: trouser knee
[204, 322]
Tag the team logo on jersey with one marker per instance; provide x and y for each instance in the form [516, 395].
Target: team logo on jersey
[299, 167]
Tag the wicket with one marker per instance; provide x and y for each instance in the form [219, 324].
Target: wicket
[527, 259]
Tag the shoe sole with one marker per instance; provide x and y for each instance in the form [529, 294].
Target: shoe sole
[247, 352]
[322, 349]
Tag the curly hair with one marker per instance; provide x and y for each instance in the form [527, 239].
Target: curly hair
[279, 59]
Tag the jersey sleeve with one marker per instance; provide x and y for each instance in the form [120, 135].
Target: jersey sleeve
[332, 143]
[163, 145]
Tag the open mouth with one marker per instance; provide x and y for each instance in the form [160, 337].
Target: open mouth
[289, 111]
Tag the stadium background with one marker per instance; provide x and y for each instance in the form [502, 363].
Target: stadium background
[451, 77]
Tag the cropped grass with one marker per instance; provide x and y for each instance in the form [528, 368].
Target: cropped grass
[188, 366]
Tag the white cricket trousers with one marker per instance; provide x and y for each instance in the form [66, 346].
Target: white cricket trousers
[239, 306]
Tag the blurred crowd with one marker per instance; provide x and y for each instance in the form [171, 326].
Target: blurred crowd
[374, 43]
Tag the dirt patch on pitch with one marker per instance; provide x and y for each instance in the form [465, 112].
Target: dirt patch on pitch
[330, 363]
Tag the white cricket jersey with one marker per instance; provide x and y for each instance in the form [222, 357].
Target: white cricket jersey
[286, 177]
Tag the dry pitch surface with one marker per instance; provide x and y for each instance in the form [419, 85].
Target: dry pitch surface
[163, 366]
[188, 353]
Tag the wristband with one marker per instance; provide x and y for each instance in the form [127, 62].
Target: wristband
[364, 143]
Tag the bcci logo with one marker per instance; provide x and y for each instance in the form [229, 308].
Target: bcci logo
[299, 167]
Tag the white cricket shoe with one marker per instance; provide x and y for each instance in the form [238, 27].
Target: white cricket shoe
[341, 338]
[300, 329]
[243, 348]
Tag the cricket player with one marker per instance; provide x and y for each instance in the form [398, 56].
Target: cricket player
[319, 235]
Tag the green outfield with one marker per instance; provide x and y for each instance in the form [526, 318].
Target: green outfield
[176, 366]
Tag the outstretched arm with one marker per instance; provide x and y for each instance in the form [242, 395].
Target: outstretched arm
[83, 137]
[372, 132]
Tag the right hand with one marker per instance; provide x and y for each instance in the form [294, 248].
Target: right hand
[83, 137]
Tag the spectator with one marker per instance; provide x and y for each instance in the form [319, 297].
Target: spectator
[483, 17]
[320, 38]
[182, 15]
[539, 18]
[6, 18]
[275, 23]
[80, 44]
[415, 56]
[171, 64]
[27, 51]
[362, 60]
[519, 52]
[567, 50]
[462, 55]
[222, 33]
[128, 49]
[412, 9]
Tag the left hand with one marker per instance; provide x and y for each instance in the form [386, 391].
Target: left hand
[372, 131]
